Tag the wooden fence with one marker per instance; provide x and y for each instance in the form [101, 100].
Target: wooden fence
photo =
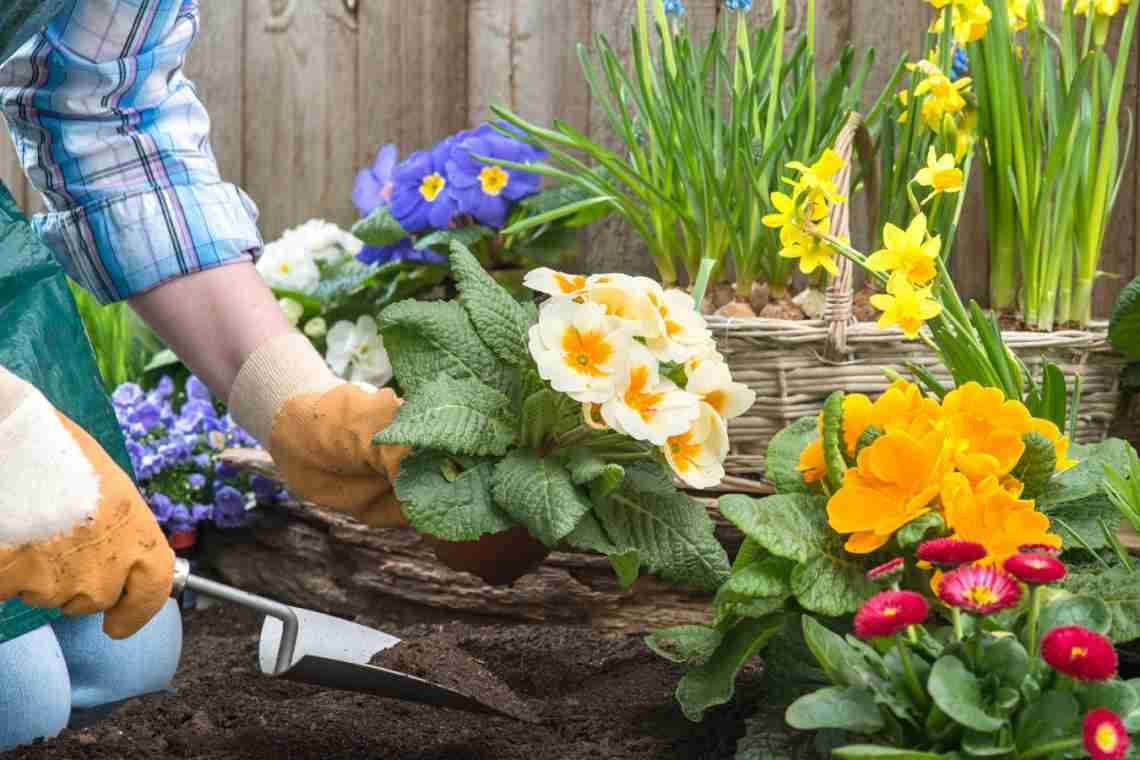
[302, 93]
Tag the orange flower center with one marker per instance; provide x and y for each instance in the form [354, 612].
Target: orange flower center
[569, 284]
[1077, 653]
[1106, 738]
[982, 595]
[890, 611]
[1037, 564]
[717, 400]
[685, 451]
[586, 352]
[672, 328]
[637, 396]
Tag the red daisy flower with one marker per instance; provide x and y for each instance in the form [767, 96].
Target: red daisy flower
[1105, 737]
[889, 612]
[1052, 551]
[1078, 652]
[984, 590]
[949, 553]
[886, 572]
[1036, 569]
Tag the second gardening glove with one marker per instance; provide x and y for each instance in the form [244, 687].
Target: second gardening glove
[319, 429]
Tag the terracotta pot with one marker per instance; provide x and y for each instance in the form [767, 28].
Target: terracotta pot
[498, 558]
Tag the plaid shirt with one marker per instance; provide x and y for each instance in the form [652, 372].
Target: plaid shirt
[112, 133]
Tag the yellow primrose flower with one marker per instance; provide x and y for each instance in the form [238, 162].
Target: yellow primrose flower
[991, 515]
[911, 253]
[941, 97]
[697, 455]
[941, 174]
[812, 464]
[905, 306]
[904, 407]
[645, 406]
[812, 252]
[897, 479]
[579, 349]
[555, 284]
[990, 427]
[969, 19]
[712, 383]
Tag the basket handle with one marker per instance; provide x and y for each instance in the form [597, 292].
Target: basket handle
[840, 293]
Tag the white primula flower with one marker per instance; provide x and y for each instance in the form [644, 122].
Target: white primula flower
[685, 333]
[288, 267]
[579, 350]
[323, 240]
[316, 328]
[697, 455]
[713, 384]
[292, 310]
[646, 407]
[555, 284]
[356, 353]
[706, 353]
[631, 299]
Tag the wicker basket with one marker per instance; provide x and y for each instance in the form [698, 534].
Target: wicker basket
[793, 366]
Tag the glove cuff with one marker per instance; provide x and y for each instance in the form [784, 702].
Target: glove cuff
[280, 369]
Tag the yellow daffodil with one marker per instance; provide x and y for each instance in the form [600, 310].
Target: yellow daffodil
[580, 350]
[555, 284]
[645, 406]
[941, 97]
[989, 514]
[697, 455]
[941, 175]
[1107, 8]
[1018, 11]
[969, 19]
[684, 335]
[911, 253]
[966, 134]
[905, 306]
[788, 212]
[712, 383]
[990, 426]
[897, 478]
[812, 252]
[816, 184]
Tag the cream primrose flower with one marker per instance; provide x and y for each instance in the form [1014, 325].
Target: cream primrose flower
[285, 266]
[292, 310]
[555, 284]
[713, 384]
[706, 353]
[323, 240]
[646, 407]
[634, 300]
[580, 350]
[697, 455]
[356, 353]
[685, 334]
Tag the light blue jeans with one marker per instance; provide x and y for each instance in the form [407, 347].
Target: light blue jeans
[71, 665]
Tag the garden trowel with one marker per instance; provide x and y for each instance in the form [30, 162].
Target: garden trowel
[322, 650]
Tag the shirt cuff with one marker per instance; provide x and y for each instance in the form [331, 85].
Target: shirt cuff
[124, 245]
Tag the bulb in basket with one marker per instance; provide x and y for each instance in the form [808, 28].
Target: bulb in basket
[569, 421]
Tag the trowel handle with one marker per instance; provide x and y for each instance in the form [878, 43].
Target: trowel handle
[183, 580]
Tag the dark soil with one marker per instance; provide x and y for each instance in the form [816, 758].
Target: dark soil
[598, 698]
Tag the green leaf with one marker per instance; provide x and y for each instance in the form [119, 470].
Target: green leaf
[876, 752]
[756, 590]
[1124, 327]
[1116, 695]
[793, 526]
[673, 533]
[1076, 496]
[831, 585]
[1087, 611]
[834, 447]
[455, 508]
[916, 531]
[685, 644]
[1119, 589]
[842, 663]
[784, 455]
[957, 693]
[1049, 718]
[589, 535]
[426, 340]
[1006, 658]
[988, 743]
[540, 417]
[501, 321]
[379, 229]
[586, 468]
[842, 707]
[1036, 466]
[553, 248]
[538, 492]
[714, 682]
[464, 236]
[462, 417]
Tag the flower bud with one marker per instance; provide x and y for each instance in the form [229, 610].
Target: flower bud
[316, 328]
[293, 310]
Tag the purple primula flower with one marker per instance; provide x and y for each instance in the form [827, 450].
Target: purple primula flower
[229, 507]
[196, 480]
[197, 390]
[162, 507]
[146, 416]
[488, 192]
[374, 184]
[202, 461]
[165, 387]
[180, 519]
[405, 250]
[422, 197]
[201, 513]
[127, 395]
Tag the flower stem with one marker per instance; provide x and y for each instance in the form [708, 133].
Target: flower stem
[916, 690]
[956, 616]
[1031, 627]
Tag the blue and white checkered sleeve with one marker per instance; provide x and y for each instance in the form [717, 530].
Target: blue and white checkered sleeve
[116, 139]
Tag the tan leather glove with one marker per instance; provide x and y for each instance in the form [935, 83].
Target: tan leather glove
[319, 430]
[74, 531]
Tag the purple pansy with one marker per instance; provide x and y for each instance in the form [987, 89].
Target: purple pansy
[422, 196]
[374, 185]
[197, 390]
[229, 507]
[127, 395]
[162, 507]
[197, 481]
[488, 192]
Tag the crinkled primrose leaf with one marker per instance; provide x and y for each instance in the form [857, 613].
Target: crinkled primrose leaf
[443, 500]
[539, 493]
[500, 320]
[461, 417]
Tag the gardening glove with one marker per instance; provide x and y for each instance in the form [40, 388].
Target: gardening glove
[74, 531]
[319, 429]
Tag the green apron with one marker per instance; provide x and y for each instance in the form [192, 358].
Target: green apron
[41, 334]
